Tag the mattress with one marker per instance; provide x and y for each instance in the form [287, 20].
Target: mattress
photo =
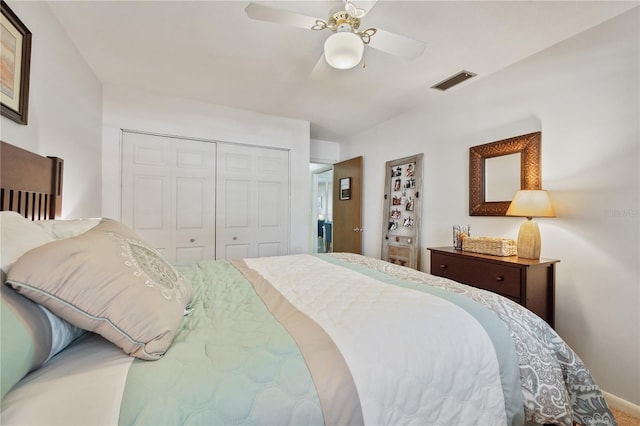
[323, 339]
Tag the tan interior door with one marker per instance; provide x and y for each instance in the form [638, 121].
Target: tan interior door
[347, 206]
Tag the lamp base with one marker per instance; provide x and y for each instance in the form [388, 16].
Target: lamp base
[529, 240]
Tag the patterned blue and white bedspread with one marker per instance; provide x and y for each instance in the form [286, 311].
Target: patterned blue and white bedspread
[557, 387]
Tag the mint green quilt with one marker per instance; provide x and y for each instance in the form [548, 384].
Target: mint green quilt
[231, 363]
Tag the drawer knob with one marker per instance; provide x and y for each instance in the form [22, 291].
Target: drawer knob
[499, 278]
[443, 266]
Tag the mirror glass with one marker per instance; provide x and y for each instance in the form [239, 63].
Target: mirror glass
[501, 177]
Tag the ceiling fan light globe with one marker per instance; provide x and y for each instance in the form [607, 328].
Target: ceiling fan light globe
[343, 50]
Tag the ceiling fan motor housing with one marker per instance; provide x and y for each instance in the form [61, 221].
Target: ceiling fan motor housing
[343, 19]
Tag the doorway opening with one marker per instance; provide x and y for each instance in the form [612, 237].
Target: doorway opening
[322, 207]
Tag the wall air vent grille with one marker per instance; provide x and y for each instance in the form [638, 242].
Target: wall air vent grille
[453, 80]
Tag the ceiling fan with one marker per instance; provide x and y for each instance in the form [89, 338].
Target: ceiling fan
[345, 47]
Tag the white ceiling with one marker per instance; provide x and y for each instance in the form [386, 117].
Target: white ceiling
[211, 51]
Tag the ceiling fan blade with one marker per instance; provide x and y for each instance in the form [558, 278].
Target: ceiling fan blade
[321, 70]
[396, 44]
[365, 5]
[279, 16]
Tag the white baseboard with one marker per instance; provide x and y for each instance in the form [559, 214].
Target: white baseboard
[621, 404]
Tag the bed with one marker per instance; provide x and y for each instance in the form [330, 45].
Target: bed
[98, 329]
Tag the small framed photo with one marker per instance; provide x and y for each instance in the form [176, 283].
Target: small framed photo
[345, 188]
[16, 60]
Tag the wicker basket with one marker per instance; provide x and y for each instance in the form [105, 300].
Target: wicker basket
[489, 245]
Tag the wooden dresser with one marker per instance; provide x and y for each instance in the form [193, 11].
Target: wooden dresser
[528, 282]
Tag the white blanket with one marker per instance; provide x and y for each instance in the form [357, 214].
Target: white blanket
[368, 320]
[81, 386]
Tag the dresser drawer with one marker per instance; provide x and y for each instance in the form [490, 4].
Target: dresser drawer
[529, 282]
[500, 279]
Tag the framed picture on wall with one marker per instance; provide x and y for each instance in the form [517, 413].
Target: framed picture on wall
[345, 188]
[16, 61]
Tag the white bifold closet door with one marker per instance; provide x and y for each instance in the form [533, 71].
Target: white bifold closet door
[168, 194]
[252, 211]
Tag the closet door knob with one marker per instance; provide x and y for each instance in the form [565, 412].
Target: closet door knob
[193, 240]
[235, 238]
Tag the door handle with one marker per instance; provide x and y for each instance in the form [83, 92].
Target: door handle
[356, 229]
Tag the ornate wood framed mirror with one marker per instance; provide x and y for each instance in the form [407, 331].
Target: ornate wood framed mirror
[498, 169]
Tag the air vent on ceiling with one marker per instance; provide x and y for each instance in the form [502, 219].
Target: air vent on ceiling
[453, 80]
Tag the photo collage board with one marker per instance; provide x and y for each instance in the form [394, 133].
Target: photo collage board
[403, 192]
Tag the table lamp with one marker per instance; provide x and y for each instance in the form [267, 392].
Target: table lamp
[530, 204]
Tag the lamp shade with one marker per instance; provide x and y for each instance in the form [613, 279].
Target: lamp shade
[531, 203]
[343, 50]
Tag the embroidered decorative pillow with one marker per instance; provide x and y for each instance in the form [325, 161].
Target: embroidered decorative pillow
[107, 280]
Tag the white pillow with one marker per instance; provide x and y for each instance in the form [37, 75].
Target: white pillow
[18, 235]
[62, 333]
[67, 228]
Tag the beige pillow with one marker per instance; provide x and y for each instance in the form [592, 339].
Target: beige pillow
[108, 281]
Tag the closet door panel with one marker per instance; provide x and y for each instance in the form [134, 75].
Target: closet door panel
[149, 203]
[195, 174]
[253, 199]
[187, 255]
[269, 249]
[269, 214]
[168, 194]
[237, 204]
[146, 194]
[273, 212]
[194, 200]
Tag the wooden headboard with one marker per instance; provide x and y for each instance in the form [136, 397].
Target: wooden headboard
[30, 184]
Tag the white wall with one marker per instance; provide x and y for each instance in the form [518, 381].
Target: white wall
[65, 110]
[583, 94]
[324, 152]
[147, 112]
